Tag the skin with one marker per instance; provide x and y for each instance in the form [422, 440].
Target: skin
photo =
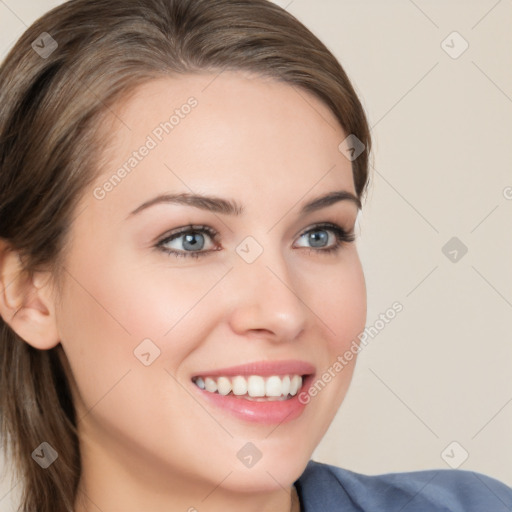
[146, 443]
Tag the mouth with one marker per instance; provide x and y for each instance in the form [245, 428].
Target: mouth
[264, 392]
[257, 388]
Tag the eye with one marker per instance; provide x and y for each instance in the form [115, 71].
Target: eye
[318, 237]
[190, 241]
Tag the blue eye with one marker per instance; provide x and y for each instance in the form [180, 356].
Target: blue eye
[193, 240]
[317, 237]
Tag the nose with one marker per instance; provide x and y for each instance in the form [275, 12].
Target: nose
[266, 301]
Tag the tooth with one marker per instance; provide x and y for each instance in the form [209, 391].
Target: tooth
[295, 384]
[210, 385]
[223, 385]
[273, 386]
[239, 385]
[256, 386]
[286, 385]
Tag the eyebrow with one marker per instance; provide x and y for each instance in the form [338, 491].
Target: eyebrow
[231, 207]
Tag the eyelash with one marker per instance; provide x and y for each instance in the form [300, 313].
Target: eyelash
[341, 235]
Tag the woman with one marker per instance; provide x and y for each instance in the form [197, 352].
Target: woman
[179, 187]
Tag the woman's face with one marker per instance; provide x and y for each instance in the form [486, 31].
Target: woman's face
[139, 323]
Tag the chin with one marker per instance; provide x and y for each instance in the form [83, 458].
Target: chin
[276, 473]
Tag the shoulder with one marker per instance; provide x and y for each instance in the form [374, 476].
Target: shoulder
[328, 488]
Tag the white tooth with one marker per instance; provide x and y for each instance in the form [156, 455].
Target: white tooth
[273, 386]
[295, 384]
[256, 386]
[239, 385]
[223, 385]
[210, 385]
[286, 385]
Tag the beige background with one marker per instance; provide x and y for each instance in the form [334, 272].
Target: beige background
[441, 371]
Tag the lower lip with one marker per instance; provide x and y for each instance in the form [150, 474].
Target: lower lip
[269, 412]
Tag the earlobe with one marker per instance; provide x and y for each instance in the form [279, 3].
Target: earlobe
[26, 302]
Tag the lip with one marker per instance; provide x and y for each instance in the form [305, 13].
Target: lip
[266, 412]
[263, 368]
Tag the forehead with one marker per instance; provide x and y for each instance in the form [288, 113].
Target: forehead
[226, 134]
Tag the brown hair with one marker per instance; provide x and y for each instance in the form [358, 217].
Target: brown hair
[51, 107]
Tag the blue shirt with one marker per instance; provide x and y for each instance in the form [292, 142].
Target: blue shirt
[326, 488]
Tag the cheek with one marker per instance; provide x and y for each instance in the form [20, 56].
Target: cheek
[176, 308]
[97, 343]
[340, 302]
[107, 314]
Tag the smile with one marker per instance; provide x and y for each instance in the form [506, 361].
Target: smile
[252, 387]
[260, 391]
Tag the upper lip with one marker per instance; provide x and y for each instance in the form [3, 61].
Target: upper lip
[285, 367]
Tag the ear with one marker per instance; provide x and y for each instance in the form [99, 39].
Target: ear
[26, 301]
